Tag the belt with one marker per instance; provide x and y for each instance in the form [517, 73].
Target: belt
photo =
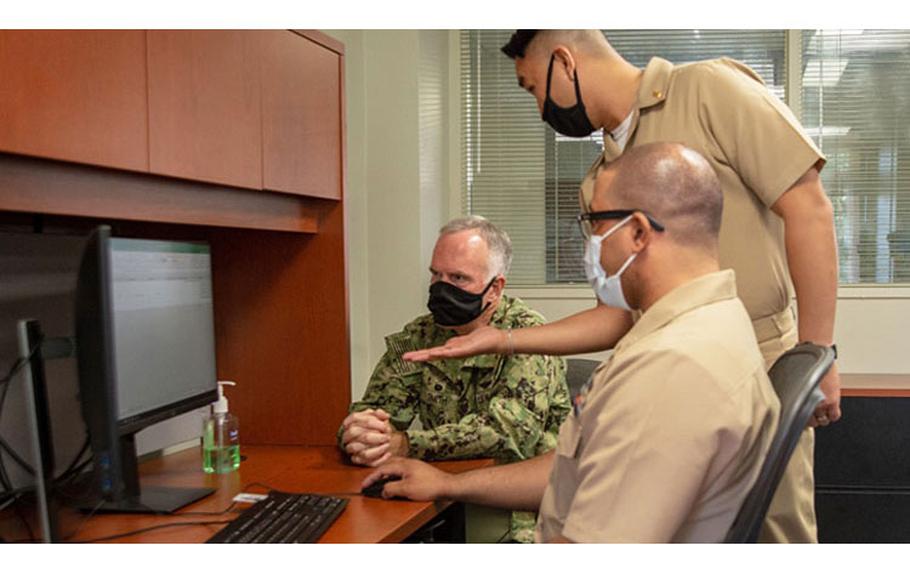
[775, 325]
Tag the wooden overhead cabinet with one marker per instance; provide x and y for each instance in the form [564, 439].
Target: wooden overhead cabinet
[301, 116]
[249, 109]
[204, 105]
[75, 95]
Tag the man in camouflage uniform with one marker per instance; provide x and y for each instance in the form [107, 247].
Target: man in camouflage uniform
[506, 407]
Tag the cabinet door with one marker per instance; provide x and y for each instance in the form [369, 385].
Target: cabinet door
[204, 105]
[76, 95]
[301, 112]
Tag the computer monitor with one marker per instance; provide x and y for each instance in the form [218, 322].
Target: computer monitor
[146, 352]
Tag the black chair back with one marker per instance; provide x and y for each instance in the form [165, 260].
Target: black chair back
[795, 377]
[577, 373]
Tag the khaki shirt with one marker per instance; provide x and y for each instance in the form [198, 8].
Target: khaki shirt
[671, 431]
[758, 149]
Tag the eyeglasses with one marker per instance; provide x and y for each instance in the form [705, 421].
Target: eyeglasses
[586, 220]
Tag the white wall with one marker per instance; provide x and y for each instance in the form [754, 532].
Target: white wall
[404, 181]
[356, 204]
[871, 330]
[397, 87]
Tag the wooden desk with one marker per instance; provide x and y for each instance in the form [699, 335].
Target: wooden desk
[286, 468]
[875, 385]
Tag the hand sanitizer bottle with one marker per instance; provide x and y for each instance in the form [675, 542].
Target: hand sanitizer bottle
[221, 437]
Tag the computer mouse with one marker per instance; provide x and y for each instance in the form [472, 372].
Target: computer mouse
[375, 489]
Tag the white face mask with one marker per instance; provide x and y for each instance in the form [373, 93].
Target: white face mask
[607, 288]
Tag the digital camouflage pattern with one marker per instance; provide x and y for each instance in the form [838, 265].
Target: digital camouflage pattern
[509, 408]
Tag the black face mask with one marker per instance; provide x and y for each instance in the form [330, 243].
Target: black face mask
[570, 121]
[452, 306]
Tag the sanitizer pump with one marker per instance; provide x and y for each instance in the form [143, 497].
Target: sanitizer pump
[221, 437]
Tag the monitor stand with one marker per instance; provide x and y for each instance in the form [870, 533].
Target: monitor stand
[152, 500]
[136, 498]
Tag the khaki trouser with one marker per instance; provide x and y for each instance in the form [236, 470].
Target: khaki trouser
[791, 516]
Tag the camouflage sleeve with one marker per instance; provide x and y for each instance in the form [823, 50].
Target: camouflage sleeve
[560, 405]
[393, 387]
[511, 425]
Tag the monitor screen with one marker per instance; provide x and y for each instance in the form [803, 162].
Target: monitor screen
[163, 331]
[146, 351]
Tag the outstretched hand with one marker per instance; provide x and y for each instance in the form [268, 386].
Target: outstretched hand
[481, 341]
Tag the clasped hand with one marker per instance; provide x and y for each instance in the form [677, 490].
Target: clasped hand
[370, 439]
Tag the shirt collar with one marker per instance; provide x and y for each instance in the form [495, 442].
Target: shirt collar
[490, 360]
[620, 134]
[704, 290]
[653, 90]
[655, 83]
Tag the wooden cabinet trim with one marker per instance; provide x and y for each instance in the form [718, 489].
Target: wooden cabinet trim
[322, 39]
[33, 185]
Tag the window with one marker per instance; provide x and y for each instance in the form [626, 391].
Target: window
[524, 177]
[856, 106]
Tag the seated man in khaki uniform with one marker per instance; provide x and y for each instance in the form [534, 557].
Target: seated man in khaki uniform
[670, 433]
[507, 407]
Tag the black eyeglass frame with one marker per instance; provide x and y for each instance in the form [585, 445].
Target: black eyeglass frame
[587, 219]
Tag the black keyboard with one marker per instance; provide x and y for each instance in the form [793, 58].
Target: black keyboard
[283, 517]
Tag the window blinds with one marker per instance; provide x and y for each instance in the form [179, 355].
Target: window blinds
[856, 106]
[853, 87]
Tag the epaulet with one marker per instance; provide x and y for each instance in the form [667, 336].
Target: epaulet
[397, 345]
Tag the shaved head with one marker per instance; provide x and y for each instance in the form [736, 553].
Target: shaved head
[533, 42]
[671, 182]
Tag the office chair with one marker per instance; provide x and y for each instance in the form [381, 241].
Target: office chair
[577, 373]
[795, 377]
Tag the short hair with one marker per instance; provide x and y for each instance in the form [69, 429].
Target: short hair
[498, 241]
[592, 41]
[518, 43]
[674, 184]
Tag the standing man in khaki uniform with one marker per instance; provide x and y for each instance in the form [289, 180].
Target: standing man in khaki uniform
[670, 433]
[777, 222]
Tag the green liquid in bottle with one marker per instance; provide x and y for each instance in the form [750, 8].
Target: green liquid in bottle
[220, 444]
[220, 459]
